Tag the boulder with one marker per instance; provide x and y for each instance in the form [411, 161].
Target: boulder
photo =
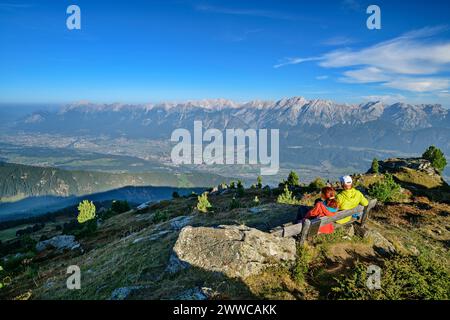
[59, 243]
[236, 251]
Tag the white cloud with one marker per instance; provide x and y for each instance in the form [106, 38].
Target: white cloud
[366, 75]
[419, 84]
[290, 61]
[246, 12]
[387, 98]
[413, 62]
[324, 77]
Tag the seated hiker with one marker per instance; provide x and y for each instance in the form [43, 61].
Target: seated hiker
[349, 198]
[325, 207]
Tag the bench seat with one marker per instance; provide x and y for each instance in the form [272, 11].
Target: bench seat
[310, 228]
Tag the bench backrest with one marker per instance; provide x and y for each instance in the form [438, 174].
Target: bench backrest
[310, 228]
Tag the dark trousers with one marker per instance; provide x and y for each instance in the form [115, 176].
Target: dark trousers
[301, 213]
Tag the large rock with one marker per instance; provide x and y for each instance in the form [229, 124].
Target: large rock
[394, 165]
[60, 243]
[236, 251]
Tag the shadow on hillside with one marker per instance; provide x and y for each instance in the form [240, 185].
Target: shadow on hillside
[324, 276]
[41, 205]
[437, 194]
[194, 283]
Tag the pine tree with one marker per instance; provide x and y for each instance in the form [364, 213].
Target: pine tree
[203, 204]
[240, 189]
[259, 182]
[317, 184]
[293, 180]
[436, 157]
[375, 166]
[286, 197]
[86, 211]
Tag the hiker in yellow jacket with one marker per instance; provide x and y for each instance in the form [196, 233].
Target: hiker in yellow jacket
[349, 198]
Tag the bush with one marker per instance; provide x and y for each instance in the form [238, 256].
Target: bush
[375, 168]
[256, 201]
[1, 271]
[286, 197]
[120, 206]
[402, 278]
[175, 195]
[86, 211]
[160, 216]
[301, 267]
[235, 204]
[240, 189]
[259, 182]
[317, 184]
[85, 229]
[4, 281]
[203, 204]
[15, 261]
[385, 190]
[436, 157]
[293, 180]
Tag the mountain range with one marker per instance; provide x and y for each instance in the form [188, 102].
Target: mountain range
[293, 113]
[329, 133]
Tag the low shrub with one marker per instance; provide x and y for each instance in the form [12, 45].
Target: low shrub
[160, 216]
[240, 189]
[301, 267]
[86, 211]
[287, 198]
[203, 204]
[120, 206]
[386, 190]
[235, 204]
[402, 278]
[317, 184]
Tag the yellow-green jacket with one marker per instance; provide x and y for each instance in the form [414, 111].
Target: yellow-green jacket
[350, 199]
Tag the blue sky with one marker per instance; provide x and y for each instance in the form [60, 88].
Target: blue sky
[147, 51]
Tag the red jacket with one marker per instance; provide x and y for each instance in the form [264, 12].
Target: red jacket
[319, 211]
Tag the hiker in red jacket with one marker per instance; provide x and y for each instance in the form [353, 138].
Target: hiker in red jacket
[325, 208]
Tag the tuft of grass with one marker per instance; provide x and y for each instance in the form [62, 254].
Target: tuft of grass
[402, 278]
[418, 178]
[304, 258]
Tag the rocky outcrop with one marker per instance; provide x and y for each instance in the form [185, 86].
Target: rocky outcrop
[380, 244]
[394, 165]
[180, 222]
[59, 243]
[236, 251]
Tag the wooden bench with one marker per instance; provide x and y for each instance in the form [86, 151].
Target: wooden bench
[310, 228]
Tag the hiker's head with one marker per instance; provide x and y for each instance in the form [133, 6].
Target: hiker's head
[346, 182]
[329, 194]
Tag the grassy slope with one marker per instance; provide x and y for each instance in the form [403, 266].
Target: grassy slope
[112, 260]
